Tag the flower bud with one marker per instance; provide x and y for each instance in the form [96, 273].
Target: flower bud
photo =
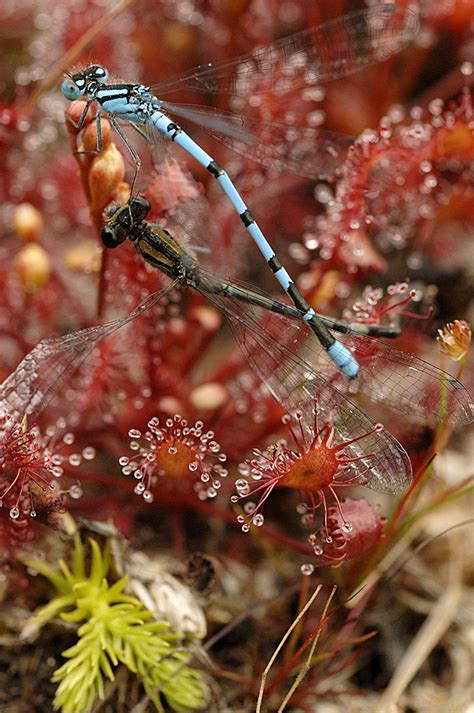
[33, 267]
[178, 37]
[74, 114]
[209, 318]
[122, 193]
[89, 135]
[208, 397]
[83, 257]
[27, 221]
[106, 173]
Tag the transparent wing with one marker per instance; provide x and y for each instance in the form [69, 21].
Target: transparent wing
[45, 370]
[399, 380]
[325, 52]
[385, 465]
[387, 375]
[304, 151]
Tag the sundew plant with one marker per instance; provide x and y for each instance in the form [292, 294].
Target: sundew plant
[258, 518]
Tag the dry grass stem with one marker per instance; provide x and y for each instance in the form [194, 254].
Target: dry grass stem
[429, 634]
[280, 646]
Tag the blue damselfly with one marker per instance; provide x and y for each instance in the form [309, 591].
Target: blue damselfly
[331, 50]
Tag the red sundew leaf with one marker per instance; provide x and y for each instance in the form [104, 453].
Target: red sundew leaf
[455, 16]
[313, 465]
[14, 536]
[30, 465]
[366, 528]
[25, 464]
[398, 183]
[359, 252]
[173, 453]
[172, 187]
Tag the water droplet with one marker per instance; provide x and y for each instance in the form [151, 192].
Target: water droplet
[244, 469]
[346, 527]
[75, 492]
[88, 453]
[242, 487]
[14, 513]
[414, 261]
[307, 569]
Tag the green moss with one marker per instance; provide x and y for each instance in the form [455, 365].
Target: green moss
[116, 629]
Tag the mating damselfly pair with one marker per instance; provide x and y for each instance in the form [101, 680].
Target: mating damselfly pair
[331, 50]
[281, 351]
[290, 361]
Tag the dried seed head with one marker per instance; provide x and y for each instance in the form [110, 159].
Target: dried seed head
[455, 339]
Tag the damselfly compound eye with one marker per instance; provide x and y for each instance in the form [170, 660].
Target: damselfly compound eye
[99, 73]
[71, 91]
[140, 207]
[110, 238]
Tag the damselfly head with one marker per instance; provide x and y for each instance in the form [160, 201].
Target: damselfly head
[129, 214]
[113, 237]
[139, 208]
[120, 220]
[75, 85]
